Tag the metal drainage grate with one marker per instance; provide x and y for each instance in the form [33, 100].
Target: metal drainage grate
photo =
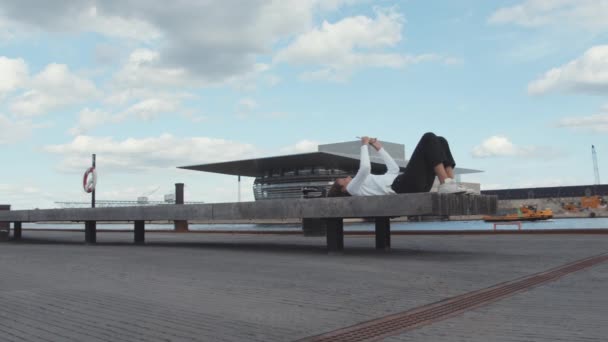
[398, 323]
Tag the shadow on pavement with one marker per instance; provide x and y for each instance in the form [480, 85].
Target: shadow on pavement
[270, 247]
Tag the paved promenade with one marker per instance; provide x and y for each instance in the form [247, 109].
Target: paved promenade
[220, 287]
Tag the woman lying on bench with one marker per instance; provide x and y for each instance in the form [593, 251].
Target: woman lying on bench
[431, 157]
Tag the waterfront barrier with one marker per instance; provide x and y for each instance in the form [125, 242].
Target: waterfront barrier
[330, 211]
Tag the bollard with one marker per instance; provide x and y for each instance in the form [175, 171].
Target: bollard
[17, 231]
[335, 235]
[5, 227]
[314, 227]
[140, 232]
[180, 225]
[383, 233]
[90, 232]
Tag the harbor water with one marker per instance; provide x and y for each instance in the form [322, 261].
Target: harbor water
[477, 225]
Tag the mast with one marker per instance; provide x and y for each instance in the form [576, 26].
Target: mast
[595, 167]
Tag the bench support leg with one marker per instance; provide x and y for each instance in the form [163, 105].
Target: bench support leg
[140, 232]
[181, 226]
[313, 227]
[383, 233]
[335, 235]
[17, 231]
[90, 232]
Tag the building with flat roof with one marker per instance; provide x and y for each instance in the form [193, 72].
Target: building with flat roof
[550, 192]
[288, 176]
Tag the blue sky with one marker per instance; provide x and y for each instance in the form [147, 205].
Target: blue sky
[519, 88]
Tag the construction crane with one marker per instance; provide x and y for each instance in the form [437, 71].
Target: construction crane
[595, 167]
[143, 199]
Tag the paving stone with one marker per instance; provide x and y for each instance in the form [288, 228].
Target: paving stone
[233, 287]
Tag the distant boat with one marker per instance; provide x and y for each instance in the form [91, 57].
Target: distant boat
[524, 213]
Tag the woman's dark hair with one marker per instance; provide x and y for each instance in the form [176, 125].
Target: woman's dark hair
[336, 191]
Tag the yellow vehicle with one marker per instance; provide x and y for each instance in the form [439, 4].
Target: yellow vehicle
[570, 207]
[587, 202]
[592, 202]
[524, 213]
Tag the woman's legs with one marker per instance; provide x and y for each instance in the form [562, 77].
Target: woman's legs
[449, 159]
[431, 157]
[449, 162]
[450, 171]
[441, 172]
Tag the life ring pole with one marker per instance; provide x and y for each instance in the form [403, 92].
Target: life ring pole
[93, 192]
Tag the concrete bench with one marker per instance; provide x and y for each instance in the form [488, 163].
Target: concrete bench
[332, 212]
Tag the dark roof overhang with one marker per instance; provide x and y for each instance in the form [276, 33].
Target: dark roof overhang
[259, 166]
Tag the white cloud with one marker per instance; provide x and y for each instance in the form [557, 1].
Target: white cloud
[275, 115]
[6, 30]
[142, 70]
[54, 87]
[222, 44]
[302, 146]
[194, 117]
[149, 105]
[24, 18]
[14, 74]
[248, 107]
[588, 73]
[248, 103]
[158, 153]
[337, 41]
[122, 96]
[584, 14]
[116, 25]
[12, 131]
[165, 151]
[89, 119]
[501, 146]
[350, 44]
[495, 146]
[212, 41]
[245, 107]
[149, 109]
[594, 123]
[25, 196]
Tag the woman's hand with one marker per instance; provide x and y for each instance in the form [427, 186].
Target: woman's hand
[365, 140]
[374, 142]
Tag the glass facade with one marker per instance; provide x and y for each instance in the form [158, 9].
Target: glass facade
[290, 183]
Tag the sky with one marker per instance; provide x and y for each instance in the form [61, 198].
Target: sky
[519, 88]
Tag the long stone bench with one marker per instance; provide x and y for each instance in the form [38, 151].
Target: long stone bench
[331, 210]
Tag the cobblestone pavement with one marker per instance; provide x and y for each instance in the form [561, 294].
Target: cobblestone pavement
[199, 287]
